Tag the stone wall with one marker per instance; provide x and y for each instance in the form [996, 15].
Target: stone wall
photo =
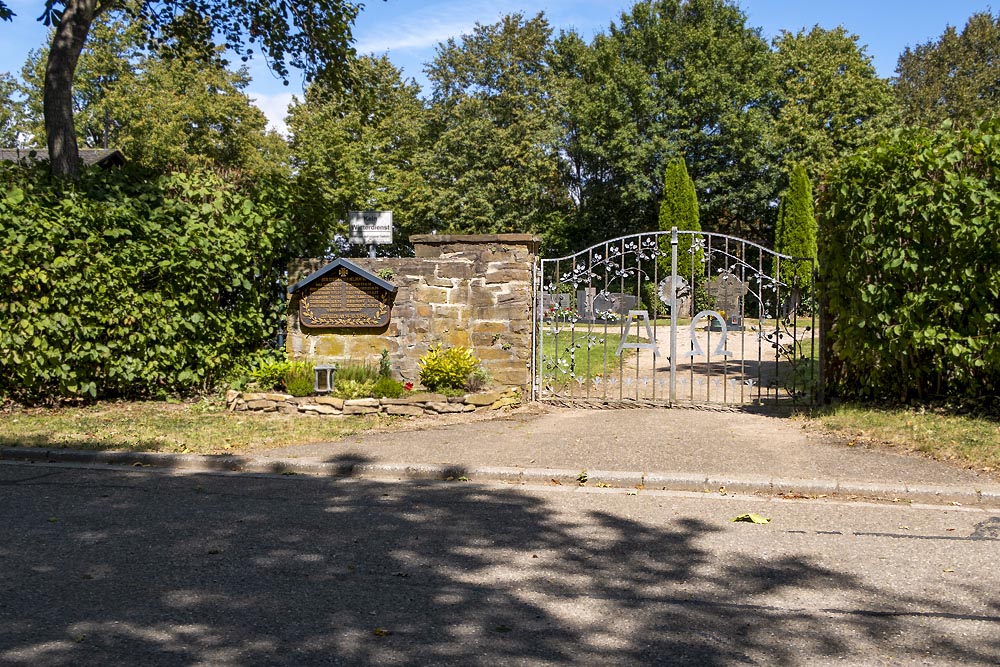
[468, 290]
[419, 404]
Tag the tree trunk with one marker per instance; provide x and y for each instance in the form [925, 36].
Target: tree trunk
[64, 54]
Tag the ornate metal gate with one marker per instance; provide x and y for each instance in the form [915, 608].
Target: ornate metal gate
[667, 318]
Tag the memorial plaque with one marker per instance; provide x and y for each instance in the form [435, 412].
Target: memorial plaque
[343, 299]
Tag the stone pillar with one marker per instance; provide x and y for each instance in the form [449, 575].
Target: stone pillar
[470, 290]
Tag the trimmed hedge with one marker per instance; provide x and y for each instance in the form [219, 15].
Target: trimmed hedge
[129, 283]
[910, 265]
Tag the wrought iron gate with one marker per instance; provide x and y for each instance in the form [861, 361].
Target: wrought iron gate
[667, 318]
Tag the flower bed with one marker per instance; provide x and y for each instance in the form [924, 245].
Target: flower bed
[413, 405]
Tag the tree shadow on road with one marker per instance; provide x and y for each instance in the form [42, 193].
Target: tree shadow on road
[133, 568]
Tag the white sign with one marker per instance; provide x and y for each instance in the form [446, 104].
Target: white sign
[369, 227]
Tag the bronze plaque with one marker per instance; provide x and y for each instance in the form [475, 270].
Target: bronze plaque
[345, 300]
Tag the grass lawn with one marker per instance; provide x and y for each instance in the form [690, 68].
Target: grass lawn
[969, 441]
[588, 355]
[198, 428]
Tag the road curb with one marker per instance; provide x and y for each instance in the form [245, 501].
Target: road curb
[938, 494]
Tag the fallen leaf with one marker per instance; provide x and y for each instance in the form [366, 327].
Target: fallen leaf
[752, 518]
[381, 632]
[556, 481]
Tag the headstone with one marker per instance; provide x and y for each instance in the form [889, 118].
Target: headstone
[682, 290]
[558, 301]
[585, 302]
[614, 302]
[726, 292]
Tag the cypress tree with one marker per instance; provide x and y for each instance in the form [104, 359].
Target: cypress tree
[679, 208]
[795, 231]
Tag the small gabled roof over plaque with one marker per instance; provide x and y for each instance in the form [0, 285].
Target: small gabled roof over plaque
[342, 295]
[346, 264]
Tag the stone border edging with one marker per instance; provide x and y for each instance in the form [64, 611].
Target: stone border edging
[942, 494]
[423, 403]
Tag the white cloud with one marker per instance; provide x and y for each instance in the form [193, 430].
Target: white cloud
[420, 32]
[275, 107]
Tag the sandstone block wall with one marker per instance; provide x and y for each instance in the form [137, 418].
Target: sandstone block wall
[468, 290]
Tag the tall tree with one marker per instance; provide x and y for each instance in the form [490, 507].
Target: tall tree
[955, 78]
[109, 56]
[165, 107]
[185, 112]
[795, 231]
[831, 99]
[11, 110]
[313, 35]
[674, 77]
[359, 148]
[679, 208]
[494, 162]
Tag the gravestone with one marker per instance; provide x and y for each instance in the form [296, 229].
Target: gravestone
[682, 291]
[585, 303]
[726, 292]
[555, 301]
[614, 302]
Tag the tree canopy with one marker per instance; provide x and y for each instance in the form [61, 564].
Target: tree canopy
[494, 163]
[358, 148]
[311, 35]
[831, 101]
[956, 77]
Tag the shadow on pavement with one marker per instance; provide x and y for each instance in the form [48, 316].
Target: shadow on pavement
[105, 568]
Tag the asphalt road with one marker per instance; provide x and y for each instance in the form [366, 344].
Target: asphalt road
[141, 567]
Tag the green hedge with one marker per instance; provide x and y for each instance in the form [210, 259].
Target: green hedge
[129, 283]
[910, 256]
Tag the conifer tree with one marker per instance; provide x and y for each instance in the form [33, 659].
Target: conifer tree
[679, 208]
[795, 232]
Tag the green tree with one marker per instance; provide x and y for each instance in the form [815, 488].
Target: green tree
[955, 78]
[672, 78]
[11, 110]
[679, 208]
[109, 56]
[831, 101]
[359, 148]
[179, 113]
[795, 231]
[493, 163]
[166, 107]
[312, 35]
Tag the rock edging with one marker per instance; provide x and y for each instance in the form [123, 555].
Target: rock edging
[411, 406]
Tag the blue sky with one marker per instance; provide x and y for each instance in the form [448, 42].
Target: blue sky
[409, 30]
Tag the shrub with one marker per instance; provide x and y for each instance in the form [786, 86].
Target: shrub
[300, 378]
[384, 365]
[909, 244]
[478, 379]
[348, 388]
[388, 388]
[795, 231]
[357, 372]
[129, 282]
[446, 369]
[270, 373]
